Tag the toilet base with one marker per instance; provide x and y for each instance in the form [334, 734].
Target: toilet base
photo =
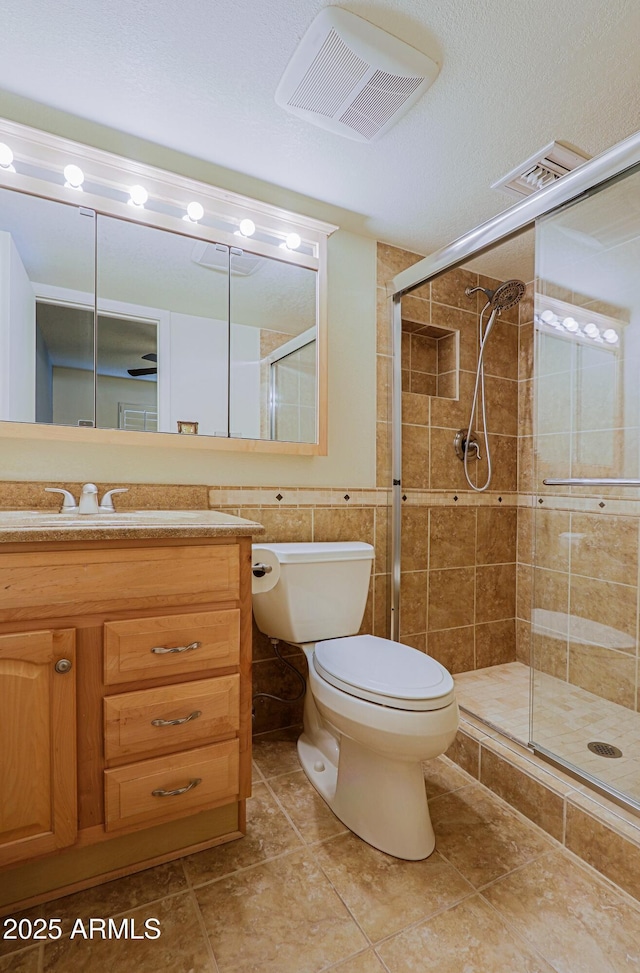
[381, 800]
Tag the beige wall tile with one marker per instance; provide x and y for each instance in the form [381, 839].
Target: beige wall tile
[282, 525]
[415, 538]
[451, 598]
[608, 604]
[418, 642]
[392, 260]
[501, 351]
[496, 538]
[466, 323]
[603, 672]
[610, 853]
[452, 536]
[525, 471]
[447, 353]
[424, 354]
[450, 287]
[383, 386]
[416, 309]
[525, 535]
[521, 791]
[384, 342]
[423, 383]
[524, 591]
[495, 592]
[525, 307]
[454, 413]
[415, 409]
[415, 457]
[550, 655]
[495, 643]
[270, 676]
[448, 385]
[413, 602]
[523, 642]
[553, 546]
[607, 549]
[383, 454]
[502, 406]
[382, 603]
[550, 590]
[504, 462]
[349, 524]
[525, 407]
[453, 647]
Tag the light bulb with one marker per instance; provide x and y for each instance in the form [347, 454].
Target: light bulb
[6, 156]
[571, 324]
[548, 317]
[610, 336]
[247, 227]
[195, 212]
[293, 241]
[74, 176]
[139, 195]
[592, 329]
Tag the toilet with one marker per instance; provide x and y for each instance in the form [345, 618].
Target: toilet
[374, 709]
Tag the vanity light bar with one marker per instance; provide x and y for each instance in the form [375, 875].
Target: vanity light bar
[36, 161]
[560, 317]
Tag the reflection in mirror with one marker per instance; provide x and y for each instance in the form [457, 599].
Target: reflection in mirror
[188, 332]
[273, 315]
[46, 322]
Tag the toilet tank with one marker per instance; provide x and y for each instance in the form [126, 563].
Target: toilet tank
[314, 591]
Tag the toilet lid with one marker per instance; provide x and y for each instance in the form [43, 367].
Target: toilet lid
[384, 672]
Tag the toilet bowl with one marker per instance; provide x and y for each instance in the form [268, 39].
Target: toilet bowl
[374, 708]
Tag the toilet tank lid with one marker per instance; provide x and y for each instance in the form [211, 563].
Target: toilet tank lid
[318, 551]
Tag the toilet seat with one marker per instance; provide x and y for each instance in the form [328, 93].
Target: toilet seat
[384, 672]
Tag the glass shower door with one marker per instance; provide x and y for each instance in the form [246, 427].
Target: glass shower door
[584, 622]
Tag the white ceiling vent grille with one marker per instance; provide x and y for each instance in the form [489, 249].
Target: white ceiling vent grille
[353, 78]
[217, 258]
[540, 170]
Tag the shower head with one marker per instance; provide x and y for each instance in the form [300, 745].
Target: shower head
[505, 295]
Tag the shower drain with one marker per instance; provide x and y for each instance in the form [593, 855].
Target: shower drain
[604, 749]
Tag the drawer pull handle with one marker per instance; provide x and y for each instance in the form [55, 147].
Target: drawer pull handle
[179, 790]
[185, 719]
[162, 650]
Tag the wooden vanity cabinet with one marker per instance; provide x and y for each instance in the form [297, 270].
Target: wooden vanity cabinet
[138, 749]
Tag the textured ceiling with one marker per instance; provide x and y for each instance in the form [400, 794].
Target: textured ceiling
[200, 77]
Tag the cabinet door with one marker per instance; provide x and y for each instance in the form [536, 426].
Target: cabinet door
[37, 744]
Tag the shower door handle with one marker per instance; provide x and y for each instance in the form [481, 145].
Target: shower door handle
[605, 481]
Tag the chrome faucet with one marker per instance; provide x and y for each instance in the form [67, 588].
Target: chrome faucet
[88, 500]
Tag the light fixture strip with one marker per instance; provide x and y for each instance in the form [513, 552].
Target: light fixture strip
[109, 178]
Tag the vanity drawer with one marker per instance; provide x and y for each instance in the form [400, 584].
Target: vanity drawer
[54, 583]
[129, 645]
[129, 797]
[141, 722]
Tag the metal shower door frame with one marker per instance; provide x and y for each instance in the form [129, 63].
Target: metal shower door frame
[616, 160]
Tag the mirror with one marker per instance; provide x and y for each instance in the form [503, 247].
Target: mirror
[116, 324]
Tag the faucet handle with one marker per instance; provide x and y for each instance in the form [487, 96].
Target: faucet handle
[106, 504]
[69, 504]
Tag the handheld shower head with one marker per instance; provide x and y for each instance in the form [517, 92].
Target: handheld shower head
[505, 295]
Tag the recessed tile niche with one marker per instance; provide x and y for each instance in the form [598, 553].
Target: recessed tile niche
[429, 360]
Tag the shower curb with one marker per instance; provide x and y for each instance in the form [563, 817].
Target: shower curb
[595, 829]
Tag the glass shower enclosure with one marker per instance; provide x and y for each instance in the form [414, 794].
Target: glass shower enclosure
[584, 662]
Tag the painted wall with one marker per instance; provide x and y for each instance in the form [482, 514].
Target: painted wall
[351, 363]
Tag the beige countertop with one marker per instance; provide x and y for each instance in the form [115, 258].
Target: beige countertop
[43, 525]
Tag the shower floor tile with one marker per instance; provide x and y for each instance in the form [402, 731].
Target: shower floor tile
[565, 719]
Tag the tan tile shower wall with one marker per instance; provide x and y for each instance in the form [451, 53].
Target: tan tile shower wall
[460, 550]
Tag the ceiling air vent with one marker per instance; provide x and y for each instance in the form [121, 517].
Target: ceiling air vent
[353, 78]
[545, 167]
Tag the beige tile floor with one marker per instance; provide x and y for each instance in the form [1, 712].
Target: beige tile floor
[565, 719]
[301, 894]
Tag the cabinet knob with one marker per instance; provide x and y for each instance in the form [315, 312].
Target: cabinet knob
[63, 665]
